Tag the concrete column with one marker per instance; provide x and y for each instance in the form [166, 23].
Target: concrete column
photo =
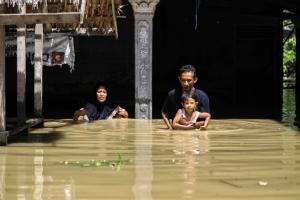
[297, 24]
[38, 71]
[21, 71]
[143, 13]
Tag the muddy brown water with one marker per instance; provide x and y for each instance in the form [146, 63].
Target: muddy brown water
[232, 159]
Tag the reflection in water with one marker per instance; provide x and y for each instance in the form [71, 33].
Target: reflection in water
[68, 192]
[288, 106]
[190, 145]
[191, 142]
[143, 160]
[38, 174]
[2, 173]
[229, 160]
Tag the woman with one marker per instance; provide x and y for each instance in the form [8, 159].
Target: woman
[98, 108]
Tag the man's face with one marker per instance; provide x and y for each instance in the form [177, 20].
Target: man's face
[187, 81]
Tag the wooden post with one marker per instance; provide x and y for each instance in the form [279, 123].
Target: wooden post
[38, 70]
[297, 24]
[21, 71]
[3, 132]
[114, 18]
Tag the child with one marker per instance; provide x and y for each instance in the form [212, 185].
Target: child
[186, 117]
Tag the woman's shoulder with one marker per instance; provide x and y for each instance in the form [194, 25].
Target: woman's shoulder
[89, 104]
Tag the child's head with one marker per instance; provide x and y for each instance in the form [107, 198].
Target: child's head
[189, 102]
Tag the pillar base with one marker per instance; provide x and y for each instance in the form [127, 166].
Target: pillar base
[297, 122]
[3, 138]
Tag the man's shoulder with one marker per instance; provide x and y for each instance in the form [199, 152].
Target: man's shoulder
[200, 93]
[175, 91]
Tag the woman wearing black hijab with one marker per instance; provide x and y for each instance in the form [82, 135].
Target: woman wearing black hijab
[98, 108]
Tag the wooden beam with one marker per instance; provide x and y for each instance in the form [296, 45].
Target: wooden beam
[39, 18]
[33, 122]
[38, 70]
[2, 80]
[114, 18]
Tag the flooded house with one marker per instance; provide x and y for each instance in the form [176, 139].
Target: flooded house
[53, 52]
[135, 45]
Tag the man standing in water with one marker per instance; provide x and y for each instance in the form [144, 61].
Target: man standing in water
[187, 78]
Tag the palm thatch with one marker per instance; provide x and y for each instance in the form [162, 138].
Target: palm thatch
[100, 16]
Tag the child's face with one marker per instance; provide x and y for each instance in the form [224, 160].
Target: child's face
[189, 105]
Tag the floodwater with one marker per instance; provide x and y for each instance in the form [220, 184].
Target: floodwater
[232, 159]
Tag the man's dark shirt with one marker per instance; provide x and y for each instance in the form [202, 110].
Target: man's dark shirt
[173, 102]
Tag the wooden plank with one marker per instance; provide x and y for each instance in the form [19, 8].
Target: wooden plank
[82, 10]
[21, 71]
[2, 80]
[28, 123]
[39, 18]
[38, 70]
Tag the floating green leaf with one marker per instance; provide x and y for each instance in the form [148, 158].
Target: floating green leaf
[116, 164]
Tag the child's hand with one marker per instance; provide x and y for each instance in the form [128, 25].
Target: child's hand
[198, 125]
[190, 126]
[184, 122]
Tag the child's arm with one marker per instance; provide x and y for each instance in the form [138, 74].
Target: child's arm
[176, 122]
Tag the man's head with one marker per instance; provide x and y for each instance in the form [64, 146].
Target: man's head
[187, 77]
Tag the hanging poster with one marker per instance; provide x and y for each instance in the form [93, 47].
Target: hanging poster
[58, 48]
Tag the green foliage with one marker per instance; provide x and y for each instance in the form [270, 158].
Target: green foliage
[289, 56]
[116, 164]
[289, 51]
[288, 24]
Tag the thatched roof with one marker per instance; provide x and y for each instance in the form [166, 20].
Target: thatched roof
[100, 16]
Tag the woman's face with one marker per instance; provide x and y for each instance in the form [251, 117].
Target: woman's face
[101, 94]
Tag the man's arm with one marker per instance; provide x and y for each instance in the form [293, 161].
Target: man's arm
[205, 104]
[166, 120]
